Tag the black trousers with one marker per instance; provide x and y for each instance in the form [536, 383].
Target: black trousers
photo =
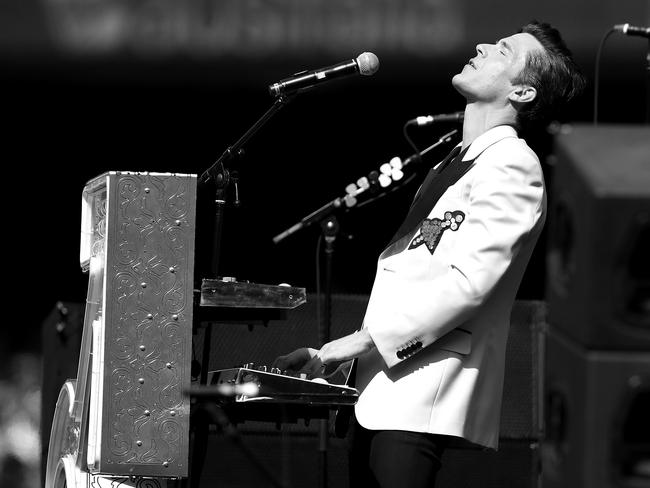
[393, 458]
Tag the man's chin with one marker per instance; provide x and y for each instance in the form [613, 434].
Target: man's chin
[457, 83]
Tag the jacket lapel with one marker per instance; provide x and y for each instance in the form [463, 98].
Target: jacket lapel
[432, 189]
[437, 183]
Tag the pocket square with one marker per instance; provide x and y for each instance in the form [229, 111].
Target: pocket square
[431, 230]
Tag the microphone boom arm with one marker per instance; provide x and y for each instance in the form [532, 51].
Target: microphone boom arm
[342, 202]
[235, 149]
[221, 177]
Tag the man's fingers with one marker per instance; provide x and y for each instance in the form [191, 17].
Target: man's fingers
[314, 368]
[294, 360]
[280, 362]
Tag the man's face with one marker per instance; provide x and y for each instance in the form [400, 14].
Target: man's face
[488, 76]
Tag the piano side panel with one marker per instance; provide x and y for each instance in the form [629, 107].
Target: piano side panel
[148, 324]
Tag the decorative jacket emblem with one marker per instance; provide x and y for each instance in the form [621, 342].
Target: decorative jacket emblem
[432, 229]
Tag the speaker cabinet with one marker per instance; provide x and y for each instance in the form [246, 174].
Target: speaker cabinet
[521, 413]
[599, 235]
[236, 343]
[597, 410]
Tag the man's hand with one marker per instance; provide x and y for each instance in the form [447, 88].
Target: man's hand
[295, 360]
[324, 362]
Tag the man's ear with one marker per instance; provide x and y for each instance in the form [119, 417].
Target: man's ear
[522, 94]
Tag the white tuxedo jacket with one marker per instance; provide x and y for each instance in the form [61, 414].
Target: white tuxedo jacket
[439, 311]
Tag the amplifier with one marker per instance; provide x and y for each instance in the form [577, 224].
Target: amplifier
[598, 283]
[597, 406]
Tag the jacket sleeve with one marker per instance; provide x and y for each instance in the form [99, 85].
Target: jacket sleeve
[505, 204]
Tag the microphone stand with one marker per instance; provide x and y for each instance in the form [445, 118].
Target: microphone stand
[222, 177]
[330, 229]
[210, 413]
[316, 216]
[330, 207]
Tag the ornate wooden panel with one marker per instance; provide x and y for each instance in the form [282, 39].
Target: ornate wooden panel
[139, 418]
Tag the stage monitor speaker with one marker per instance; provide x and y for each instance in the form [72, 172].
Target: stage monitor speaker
[597, 411]
[61, 339]
[598, 283]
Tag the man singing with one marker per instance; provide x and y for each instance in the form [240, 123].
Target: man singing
[431, 350]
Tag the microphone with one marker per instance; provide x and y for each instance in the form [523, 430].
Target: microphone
[633, 30]
[366, 64]
[432, 119]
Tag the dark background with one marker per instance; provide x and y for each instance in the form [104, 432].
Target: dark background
[70, 114]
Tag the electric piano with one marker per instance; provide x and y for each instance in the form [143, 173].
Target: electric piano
[259, 393]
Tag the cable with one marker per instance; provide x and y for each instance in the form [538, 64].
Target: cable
[408, 139]
[597, 72]
[318, 293]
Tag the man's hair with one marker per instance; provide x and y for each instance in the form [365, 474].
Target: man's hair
[553, 73]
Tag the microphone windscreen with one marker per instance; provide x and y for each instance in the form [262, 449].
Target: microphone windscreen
[368, 63]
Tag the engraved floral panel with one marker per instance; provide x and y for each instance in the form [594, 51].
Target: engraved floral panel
[148, 340]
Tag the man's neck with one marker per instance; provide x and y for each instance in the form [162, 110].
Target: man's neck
[481, 118]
